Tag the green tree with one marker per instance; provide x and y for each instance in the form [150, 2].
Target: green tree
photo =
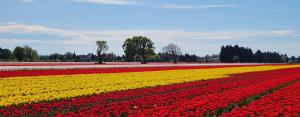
[18, 53]
[293, 59]
[259, 56]
[138, 45]
[173, 50]
[102, 48]
[155, 58]
[30, 54]
[69, 56]
[56, 57]
[5, 54]
[129, 49]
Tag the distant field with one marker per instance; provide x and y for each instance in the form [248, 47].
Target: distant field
[90, 65]
[106, 63]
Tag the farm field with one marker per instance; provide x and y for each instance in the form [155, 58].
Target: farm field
[157, 89]
[8, 66]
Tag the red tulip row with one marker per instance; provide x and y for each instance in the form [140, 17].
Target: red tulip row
[4, 74]
[209, 104]
[202, 97]
[284, 102]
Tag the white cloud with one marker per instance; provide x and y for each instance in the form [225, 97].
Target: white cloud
[285, 32]
[110, 2]
[72, 39]
[27, 28]
[87, 38]
[27, 1]
[20, 28]
[14, 41]
[113, 2]
[161, 35]
[176, 6]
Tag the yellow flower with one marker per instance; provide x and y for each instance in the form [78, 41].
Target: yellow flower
[18, 90]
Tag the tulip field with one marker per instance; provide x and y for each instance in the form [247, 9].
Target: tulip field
[154, 90]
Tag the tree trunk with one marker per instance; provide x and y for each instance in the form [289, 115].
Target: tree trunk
[144, 59]
[174, 58]
[100, 61]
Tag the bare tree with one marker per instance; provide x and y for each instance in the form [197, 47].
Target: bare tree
[102, 47]
[173, 50]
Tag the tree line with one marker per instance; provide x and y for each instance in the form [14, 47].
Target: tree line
[24, 53]
[235, 53]
[142, 49]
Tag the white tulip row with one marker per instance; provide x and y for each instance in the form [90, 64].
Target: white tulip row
[87, 66]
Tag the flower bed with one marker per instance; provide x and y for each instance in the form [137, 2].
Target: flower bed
[285, 102]
[21, 73]
[184, 91]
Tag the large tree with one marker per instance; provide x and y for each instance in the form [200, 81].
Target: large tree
[241, 54]
[129, 49]
[18, 53]
[30, 54]
[102, 48]
[259, 57]
[173, 50]
[236, 54]
[138, 46]
[5, 54]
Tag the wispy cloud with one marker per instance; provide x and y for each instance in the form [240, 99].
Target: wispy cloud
[162, 35]
[87, 38]
[27, 1]
[177, 6]
[76, 40]
[20, 28]
[112, 2]
[14, 41]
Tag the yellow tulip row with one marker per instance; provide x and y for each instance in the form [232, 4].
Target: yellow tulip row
[19, 90]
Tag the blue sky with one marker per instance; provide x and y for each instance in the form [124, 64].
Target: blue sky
[198, 26]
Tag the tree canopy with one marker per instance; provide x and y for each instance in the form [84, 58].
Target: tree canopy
[102, 47]
[173, 50]
[25, 53]
[241, 54]
[138, 46]
[5, 54]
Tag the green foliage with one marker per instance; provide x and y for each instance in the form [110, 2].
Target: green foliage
[110, 57]
[18, 53]
[30, 54]
[5, 54]
[240, 54]
[122, 114]
[155, 58]
[102, 47]
[70, 57]
[138, 46]
[56, 57]
[236, 54]
[25, 53]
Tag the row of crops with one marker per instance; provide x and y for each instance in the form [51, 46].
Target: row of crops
[244, 90]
